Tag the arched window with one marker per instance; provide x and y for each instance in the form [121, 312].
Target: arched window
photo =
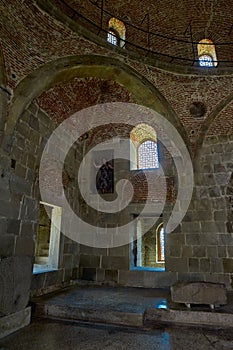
[160, 244]
[116, 32]
[143, 148]
[206, 53]
[148, 155]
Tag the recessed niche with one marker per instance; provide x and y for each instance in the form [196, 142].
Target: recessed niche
[197, 109]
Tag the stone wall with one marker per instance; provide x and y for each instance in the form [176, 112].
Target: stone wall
[50, 68]
[201, 248]
[19, 212]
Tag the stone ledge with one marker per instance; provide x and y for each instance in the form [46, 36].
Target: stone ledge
[66, 312]
[158, 317]
[13, 322]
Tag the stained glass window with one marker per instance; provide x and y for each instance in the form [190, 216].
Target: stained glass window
[148, 155]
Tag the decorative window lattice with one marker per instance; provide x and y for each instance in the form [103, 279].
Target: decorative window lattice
[161, 244]
[206, 61]
[148, 155]
[111, 38]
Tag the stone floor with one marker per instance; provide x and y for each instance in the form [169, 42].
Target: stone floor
[101, 317]
[130, 299]
[54, 335]
[136, 307]
[102, 304]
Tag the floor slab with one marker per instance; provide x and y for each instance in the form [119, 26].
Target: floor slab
[54, 335]
[114, 305]
[135, 307]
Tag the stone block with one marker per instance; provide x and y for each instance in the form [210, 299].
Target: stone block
[216, 265]
[230, 251]
[119, 251]
[190, 276]
[204, 265]
[199, 251]
[100, 275]
[175, 251]
[209, 239]
[115, 262]
[3, 225]
[20, 185]
[214, 192]
[88, 274]
[182, 318]
[228, 265]
[211, 252]
[70, 248]
[177, 264]
[13, 226]
[5, 194]
[220, 215]
[175, 238]
[34, 123]
[186, 251]
[9, 209]
[53, 278]
[14, 322]
[92, 251]
[225, 239]
[67, 261]
[229, 224]
[202, 215]
[208, 226]
[193, 265]
[89, 261]
[213, 294]
[193, 239]
[32, 109]
[111, 276]
[15, 282]
[158, 279]
[38, 281]
[222, 251]
[131, 278]
[190, 227]
[7, 245]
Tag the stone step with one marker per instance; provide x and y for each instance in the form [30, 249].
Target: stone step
[132, 307]
[95, 315]
[188, 318]
[151, 318]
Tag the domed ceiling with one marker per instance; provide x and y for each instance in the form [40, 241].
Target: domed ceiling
[165, 30]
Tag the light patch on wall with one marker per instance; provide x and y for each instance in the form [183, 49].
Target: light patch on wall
[47, 239]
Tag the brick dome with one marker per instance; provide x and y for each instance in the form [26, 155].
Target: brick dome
[167, 30]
